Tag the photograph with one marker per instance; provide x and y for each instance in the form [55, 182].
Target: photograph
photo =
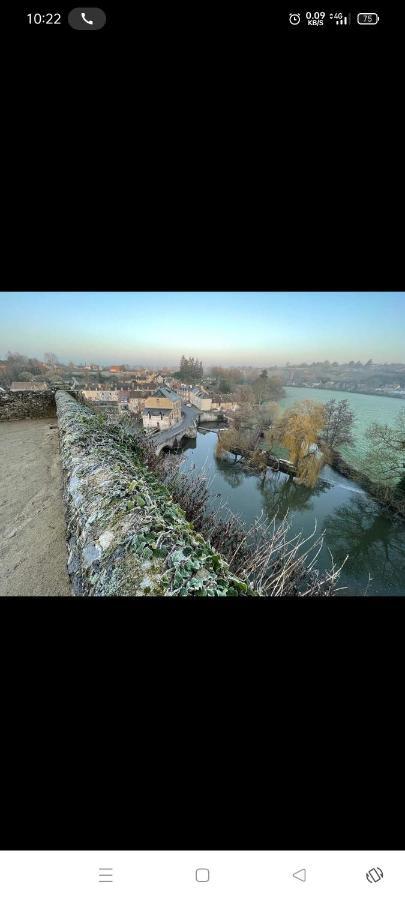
[223, 444]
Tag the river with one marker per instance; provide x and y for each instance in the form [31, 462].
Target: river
[354, 523]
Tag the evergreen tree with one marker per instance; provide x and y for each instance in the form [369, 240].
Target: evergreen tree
[191, 370]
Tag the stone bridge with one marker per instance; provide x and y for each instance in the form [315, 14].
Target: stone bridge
[172, 437]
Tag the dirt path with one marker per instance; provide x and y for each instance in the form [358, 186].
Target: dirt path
[33, 552]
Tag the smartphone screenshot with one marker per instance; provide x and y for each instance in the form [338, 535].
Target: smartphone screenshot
[202, 408]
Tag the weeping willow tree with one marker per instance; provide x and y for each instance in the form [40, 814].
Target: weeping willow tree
[309, 468]
[298, 432]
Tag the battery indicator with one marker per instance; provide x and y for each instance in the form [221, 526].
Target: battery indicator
[367, 18]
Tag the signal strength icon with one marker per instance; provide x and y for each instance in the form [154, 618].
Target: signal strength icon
[340, 19]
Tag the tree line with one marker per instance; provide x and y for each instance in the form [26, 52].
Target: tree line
[25, 368]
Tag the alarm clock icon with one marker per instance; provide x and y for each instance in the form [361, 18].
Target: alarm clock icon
[295, 18]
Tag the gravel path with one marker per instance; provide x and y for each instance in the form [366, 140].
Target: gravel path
[33, 552]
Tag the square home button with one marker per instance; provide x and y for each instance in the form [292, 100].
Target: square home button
[202, 874]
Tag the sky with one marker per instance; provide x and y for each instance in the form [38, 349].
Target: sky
[258, 329]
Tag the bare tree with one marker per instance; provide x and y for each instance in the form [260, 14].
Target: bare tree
[338, 426]
[51, 359]
[386, 459]
[265, 388]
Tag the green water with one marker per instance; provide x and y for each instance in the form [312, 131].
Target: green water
[366, 408]
[354, 523]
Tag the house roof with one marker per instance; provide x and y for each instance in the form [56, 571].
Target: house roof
[167, 392]
[200, 393]
[158, 403]
[29, 386]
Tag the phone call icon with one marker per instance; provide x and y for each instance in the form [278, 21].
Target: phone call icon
[87, 18]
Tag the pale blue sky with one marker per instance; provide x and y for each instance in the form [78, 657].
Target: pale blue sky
[228, 328]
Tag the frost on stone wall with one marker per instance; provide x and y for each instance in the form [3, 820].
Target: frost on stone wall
[126, 535]
[27, 405]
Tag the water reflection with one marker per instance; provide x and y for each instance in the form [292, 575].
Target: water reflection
[354, 523]
[281, 493]
[232, 473]
[373, 538]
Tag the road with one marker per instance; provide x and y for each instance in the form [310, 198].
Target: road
[189, 417]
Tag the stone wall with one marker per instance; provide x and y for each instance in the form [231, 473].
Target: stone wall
[27, 405]
[126, 535]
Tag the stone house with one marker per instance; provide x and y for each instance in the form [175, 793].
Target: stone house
[101, 396]
[174, 398]
[159, 412]
[183, 391]
[200, 399]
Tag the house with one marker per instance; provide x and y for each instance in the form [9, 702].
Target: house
[101, 396]
[183, 391]
[174, 398]
[145, 382]
[159, 412]
[29, 386]
[159, 378]
[200, 399]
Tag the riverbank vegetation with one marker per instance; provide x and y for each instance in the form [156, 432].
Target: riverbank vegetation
[308, 431]
[265, 556]
[253, 389]
[385, 462]
[387, 451]
[313, 434]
